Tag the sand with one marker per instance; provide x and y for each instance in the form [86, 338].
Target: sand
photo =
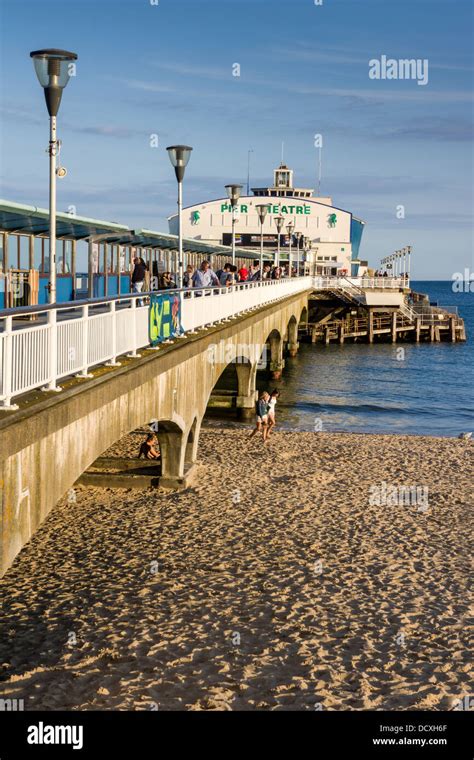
[274, 584]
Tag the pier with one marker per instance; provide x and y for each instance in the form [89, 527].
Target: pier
[376, 309]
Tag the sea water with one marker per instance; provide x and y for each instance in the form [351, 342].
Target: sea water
[426, 389]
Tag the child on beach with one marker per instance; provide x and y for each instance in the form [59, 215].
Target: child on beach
[147, 449]
[271, 410]
[262, 416]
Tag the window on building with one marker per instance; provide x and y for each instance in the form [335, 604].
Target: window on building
[82, 256]
[24, 251]
[37, 253]
[60, 265]
[67, 257]
[13, 251]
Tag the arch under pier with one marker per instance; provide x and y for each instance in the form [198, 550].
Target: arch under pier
[51, 440]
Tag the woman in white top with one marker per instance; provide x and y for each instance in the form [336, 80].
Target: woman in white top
[271, 410]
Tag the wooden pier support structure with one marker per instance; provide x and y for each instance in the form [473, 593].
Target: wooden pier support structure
[393, 326]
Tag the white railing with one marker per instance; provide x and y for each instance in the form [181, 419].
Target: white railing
[359, 283]
[40, 345]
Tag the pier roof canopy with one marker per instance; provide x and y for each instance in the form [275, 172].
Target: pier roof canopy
[149, 238]
[32, 220]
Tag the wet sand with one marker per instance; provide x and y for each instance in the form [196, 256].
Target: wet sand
[275, 583]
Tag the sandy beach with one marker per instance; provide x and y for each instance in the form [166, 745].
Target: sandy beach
[286, 579]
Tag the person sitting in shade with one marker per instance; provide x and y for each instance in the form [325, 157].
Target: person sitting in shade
[147, 449]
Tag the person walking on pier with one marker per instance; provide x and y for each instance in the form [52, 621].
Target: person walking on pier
[254, 274]
[167, 282]
[204, 277]
[225, 276]
[262, 416]
[138, 277]
[188, 277]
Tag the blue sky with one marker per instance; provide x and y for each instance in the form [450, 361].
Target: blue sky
[166, 69]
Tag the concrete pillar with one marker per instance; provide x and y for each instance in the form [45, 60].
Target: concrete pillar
[247, 392]
[276, 356]
[432, 333]
[293, 344]
[394, 327]
[246, 406]
[276, 368]
[173, 454]
[417, 329]
[192, 441]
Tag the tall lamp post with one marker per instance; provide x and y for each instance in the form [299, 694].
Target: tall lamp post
[233, 191]
[53, 71]
[290, 227]
[409, 262]
[299, 236]
[250, 150]
[307, 246]
[179, 157]
[262, 211]
[315, 258]
[279, 221]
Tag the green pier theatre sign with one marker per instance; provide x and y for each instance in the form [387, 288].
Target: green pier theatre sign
[243, 209]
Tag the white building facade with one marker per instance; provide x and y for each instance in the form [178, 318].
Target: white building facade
[332, 234]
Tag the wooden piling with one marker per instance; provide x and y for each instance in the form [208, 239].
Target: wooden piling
[394, 327]
[371, 326]
[341, 333]
[452, 329]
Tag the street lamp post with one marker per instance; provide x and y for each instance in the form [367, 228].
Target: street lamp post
[262, 211]
[315, 258]
[52, 68]
[179, 156]
[279, 221]
[290, 227]
[250, 150]
[233, 191]
[307, 247]
[299, 236]
[409, 262]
